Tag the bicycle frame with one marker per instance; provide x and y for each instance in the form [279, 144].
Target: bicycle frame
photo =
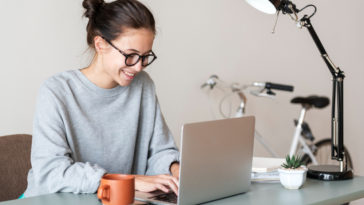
[297, 137]
[297, 140]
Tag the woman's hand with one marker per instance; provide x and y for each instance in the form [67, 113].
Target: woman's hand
[162, 182]
[175, 169]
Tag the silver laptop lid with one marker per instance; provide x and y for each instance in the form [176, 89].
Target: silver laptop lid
[216, 159]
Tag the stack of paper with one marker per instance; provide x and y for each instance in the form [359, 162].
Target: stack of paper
[266, 169]
[266, 177]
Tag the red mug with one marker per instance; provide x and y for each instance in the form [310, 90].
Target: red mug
[116, 189]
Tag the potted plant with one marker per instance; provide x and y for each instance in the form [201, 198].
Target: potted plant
[292, 174]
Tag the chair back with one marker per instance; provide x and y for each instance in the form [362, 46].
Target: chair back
[14, 165]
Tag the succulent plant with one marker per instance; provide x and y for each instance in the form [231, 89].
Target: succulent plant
[292, 162]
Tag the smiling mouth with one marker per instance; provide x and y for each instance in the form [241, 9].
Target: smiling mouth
[129, 75]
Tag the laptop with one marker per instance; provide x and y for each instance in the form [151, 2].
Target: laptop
[216, 162]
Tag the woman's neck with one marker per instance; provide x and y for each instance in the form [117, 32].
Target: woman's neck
[97, 75]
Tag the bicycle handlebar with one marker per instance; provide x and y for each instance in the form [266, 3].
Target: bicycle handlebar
[213, 80]
[269, 85]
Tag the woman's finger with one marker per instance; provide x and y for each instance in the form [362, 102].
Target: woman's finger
[168, 182]
[162, 187]
[164, 183]
[176, 181]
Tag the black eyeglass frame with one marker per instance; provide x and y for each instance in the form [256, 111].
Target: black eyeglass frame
[152, 54]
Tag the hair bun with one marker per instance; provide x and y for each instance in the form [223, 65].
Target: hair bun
[92, 6]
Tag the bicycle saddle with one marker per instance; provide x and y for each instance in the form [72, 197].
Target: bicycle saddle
[313, 100]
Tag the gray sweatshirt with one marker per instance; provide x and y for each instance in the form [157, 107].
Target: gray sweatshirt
[82, 131]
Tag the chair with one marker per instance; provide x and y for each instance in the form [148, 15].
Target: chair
[14, 165]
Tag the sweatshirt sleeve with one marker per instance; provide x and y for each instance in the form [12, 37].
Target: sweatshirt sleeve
[162, 150]
[51, 157]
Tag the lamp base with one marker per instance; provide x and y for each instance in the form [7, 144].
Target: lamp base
[328, 173]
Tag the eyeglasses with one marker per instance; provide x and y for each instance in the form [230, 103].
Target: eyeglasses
[133, 58]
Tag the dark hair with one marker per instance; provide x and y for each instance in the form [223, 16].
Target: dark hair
[110, 19]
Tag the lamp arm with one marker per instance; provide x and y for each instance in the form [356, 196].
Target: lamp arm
[337, 129]
[305, 22]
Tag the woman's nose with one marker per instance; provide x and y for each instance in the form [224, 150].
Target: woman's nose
[138, 67]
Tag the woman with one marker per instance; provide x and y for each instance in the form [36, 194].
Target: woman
[104, 118]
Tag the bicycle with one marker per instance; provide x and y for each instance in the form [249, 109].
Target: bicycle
[303, 141]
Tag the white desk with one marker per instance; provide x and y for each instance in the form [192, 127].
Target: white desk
[313, 192]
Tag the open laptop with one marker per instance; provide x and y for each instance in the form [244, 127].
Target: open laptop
[216, 162]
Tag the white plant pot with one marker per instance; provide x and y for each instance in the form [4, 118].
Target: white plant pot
[292, 178]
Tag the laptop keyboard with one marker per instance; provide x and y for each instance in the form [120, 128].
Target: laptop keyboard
[167, 197]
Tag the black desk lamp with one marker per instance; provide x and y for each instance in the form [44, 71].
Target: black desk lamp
[322, 172]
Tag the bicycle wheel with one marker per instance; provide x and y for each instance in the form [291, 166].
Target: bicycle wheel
[322, 152]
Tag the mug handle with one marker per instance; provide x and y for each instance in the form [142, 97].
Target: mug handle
[103, 193]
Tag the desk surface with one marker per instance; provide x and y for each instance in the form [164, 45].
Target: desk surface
[313, 192]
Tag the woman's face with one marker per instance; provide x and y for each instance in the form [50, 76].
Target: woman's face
[138, 41]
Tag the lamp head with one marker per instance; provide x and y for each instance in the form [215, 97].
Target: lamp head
[272, 6]
[265, 6]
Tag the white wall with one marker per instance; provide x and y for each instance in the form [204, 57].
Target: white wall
[231, 39]
[196, 39]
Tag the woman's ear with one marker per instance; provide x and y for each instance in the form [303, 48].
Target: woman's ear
[100, 44]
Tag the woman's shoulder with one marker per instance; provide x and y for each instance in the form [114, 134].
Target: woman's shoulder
[59, 83]
[143, 78]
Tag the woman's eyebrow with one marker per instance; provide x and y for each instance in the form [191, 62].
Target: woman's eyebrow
[136, 51]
